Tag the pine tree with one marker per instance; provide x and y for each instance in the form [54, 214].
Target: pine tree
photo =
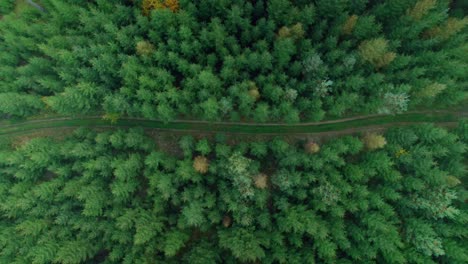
[19, 105]
[421, 8]
[243, 243]
[203, 146]
[396, 209]
[174, 241]
[187, 143]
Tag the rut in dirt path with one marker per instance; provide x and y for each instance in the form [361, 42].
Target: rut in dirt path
[329, 127]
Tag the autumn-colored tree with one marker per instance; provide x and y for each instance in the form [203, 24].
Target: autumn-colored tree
[144, 48]
[450, 28]
[348, 26]
[375, 52]
[201, 164]
[296, 31]
[284, 32]
[112, 117]
[148, 5]
[374, 141]
[432, 90]
[173, 5]
[253, 91]
[311, 147]
[421, 8]
[261, 181]
[227, 221]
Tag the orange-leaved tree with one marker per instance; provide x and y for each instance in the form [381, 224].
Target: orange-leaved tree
[149, 5]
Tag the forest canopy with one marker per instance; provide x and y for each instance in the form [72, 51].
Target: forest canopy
[355, 189]
[275, 60]
[116, 197]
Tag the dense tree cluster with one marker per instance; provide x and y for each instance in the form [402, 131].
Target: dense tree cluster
[277, 60]
[114, 197]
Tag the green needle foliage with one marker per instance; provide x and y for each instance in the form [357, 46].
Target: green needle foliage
[115, 197]
[278, 60]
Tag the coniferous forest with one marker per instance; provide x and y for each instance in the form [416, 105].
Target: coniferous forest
[277, 60]
[394, 192]
[114, 197]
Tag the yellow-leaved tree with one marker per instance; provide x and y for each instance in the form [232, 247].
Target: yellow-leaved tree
[112, 117]
[374, 141]
[450, 28]
[311, 147]
[421, 8]
[375, 51]
[348, 26]
[201, 164]
[144, 48]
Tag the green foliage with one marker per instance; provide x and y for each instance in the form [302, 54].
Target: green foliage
[198, 60]
[437, 203]
[421, 8]
[447, 30]
[111, 117]
[174, 242]
[375, 52]
[394, 103]
[238, 168]
[19, 105]
[296, 32]
[6, 6]
[203, 146]
[74, 252]
[423, 237]
[432, 90]
[112, 197]
[323, 88]
[245, 244]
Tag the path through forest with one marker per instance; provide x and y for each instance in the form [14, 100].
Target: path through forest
[329, 127]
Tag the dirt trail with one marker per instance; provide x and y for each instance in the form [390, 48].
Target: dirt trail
[323, 128]
[461, 114]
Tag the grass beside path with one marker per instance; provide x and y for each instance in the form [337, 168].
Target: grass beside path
[226, 127]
